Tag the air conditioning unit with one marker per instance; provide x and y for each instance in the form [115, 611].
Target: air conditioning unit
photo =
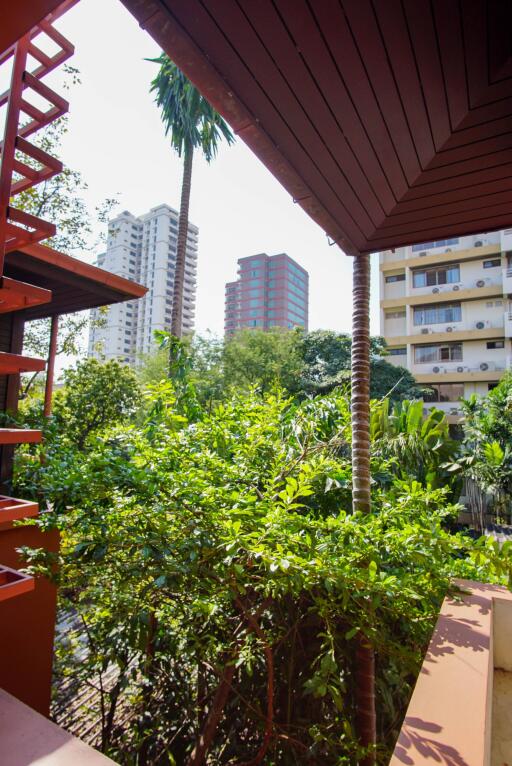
[449, 329]
[456, 287]
[480, 283]
[425, 331]
[486, 366]
[436, 369]
[480, 325]
[435, 289]
[448, 250]
[478, 243]
[423, 253]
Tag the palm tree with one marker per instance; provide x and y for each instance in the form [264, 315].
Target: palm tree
[361, 498]
[192, 123]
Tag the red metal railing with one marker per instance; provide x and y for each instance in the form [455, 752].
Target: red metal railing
[22, 164]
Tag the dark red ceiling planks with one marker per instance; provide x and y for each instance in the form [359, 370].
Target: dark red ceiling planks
[389, 121]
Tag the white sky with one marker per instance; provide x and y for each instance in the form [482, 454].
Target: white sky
[116, 140]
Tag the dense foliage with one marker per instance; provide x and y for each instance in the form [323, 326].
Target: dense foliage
[303, 364]
[485, 462]
[213, 558]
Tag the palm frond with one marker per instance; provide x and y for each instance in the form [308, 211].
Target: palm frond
[188, 118]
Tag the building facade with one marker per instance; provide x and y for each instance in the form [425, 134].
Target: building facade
[446, 314]
[143, 249]
[271, 291]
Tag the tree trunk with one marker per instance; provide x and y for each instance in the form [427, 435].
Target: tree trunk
[181, 247]
[207, 735]
[361, 498]
[360, 404]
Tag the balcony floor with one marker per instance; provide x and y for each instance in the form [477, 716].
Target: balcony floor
[29, 739]
[501, 737]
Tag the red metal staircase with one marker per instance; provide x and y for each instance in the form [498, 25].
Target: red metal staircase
[22, 163]
[22, 166]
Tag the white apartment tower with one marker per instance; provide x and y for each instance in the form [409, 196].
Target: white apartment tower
[446, 314]
[143, 249]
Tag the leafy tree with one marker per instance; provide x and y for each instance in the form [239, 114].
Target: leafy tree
[302, 363]
[264, 359]
[327, 362]
[94, 396]
[192, 123]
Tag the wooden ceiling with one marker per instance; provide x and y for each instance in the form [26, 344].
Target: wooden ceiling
[75, 285]
[389, 122]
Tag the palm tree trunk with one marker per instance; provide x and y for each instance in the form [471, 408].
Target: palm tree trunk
[360, 403]
[181, 247]
[361, 498]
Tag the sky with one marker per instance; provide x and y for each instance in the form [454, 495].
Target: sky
[116, 140]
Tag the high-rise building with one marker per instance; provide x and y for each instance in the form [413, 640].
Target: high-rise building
[446, 314]
[143, 249]
[271, 291]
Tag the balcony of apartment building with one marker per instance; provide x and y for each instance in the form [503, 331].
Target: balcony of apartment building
[469, 659]
[459, 361]
[434, 251]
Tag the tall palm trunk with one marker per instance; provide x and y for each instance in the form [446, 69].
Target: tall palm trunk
[361, 499]
[181, 247]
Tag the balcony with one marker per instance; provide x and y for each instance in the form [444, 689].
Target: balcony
[507, 281]
[508, 324]
[459, 371]
[460, 713]
[452, 410]
[452, 289]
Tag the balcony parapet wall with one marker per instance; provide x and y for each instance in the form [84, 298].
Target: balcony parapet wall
[455, 717]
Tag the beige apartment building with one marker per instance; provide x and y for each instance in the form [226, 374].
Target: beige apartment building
[446, 314]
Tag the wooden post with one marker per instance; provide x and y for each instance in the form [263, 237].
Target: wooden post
[50, 367]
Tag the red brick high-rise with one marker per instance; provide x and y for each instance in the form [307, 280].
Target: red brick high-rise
[271, 291]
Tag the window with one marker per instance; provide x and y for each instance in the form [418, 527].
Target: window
[493, 263]
[440, 276]
[444, 392]
[438, 243]
[295, 309]
[443, 312]
[399, 351]
[495, 344]
[448, 352]
[490, 386]
[396, 314]
[395, 278]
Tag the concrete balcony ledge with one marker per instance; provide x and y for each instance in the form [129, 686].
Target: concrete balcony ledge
[29, 739]
[392, 261]
[460, 713]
